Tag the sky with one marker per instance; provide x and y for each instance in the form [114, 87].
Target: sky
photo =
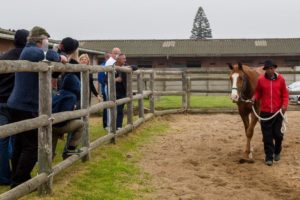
[153, 19]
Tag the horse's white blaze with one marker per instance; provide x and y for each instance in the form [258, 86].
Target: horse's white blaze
[234, 92]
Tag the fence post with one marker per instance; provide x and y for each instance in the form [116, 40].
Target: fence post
[152, 105]
[130, 103]
[140, 91]
[84, 105]
[184, 89]
[112, 97]
[45, 133]
[189, 87]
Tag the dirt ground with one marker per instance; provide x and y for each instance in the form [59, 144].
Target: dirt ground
[199, 159]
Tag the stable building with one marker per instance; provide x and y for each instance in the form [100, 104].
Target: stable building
[7, 38]
[186, 53]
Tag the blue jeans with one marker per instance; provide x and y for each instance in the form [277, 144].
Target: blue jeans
[6, 147]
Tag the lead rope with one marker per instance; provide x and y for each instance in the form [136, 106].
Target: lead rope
[284, 116]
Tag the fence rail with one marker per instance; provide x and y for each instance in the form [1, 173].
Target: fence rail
[46, 119]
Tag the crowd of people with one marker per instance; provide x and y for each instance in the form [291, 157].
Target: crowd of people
[19, 97]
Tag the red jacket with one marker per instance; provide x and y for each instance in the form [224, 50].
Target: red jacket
[273, 94]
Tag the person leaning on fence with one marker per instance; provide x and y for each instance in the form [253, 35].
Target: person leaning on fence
[23, 104]
[110, 62]
[272, 92]
[84, 59]
[101, 80]
[69, 47]
[6, 87]
[121, 85]
[65, 100]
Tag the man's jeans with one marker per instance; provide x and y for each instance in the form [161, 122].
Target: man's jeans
[6, 146]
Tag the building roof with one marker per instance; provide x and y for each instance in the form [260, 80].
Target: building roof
[202, 48]
[9, 35]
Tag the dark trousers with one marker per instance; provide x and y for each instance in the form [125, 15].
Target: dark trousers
[271, 130]
[120, 112]
[25, 149]
[104, 114]
[120, 115]
[6, 145]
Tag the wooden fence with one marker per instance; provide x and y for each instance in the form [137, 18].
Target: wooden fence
[45, 120]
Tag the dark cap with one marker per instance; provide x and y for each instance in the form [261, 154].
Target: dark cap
[269, 63]
[69, 45]
[21, 38]
[37, 32]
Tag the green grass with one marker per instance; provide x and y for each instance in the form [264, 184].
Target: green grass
[171, 102]
[112, 172]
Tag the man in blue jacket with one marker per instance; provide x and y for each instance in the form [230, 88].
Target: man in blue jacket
[6, 87]
[23, 104]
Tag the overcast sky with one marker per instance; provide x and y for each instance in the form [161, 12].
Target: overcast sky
[153, 19]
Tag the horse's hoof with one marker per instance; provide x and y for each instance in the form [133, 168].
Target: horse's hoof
[244, 160]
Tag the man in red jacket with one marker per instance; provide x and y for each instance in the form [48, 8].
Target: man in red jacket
[272, 92]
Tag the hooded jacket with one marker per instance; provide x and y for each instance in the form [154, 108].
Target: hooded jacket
[66, 98]
[7, 80]
[272, 93]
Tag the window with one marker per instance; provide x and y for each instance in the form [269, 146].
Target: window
[193, 63]
[291, 62]
[145, 63]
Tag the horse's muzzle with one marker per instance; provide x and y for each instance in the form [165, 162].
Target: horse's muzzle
[235, 98]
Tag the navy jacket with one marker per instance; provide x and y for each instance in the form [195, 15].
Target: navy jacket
[25, 95]
[66, 98]
[7, 80]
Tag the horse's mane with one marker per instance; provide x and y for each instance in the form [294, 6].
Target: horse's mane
[253, 70]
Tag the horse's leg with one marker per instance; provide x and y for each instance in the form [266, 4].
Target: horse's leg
[250, 132]
[245, 118]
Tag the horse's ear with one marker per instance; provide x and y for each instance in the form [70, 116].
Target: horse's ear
[230, 65]
[240, 66]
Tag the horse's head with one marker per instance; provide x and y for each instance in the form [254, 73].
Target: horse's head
[238, 81]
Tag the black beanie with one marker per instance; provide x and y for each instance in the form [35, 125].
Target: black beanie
[69, 45]
[21, 38]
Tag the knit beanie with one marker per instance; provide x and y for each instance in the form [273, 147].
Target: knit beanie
[21, 38]
[69, 45]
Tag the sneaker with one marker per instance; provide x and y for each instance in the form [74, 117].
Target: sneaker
[277, 157]
[69, 153]
[269, 162]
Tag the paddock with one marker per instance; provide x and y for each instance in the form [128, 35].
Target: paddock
[199, 159]
[46, 172]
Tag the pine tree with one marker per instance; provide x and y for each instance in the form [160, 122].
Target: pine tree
[201, 28]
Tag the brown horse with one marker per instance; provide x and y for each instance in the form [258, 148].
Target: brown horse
[243, 82]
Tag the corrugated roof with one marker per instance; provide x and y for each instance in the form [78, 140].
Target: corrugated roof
[9, 32]
[9, 35]
[210, 47]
